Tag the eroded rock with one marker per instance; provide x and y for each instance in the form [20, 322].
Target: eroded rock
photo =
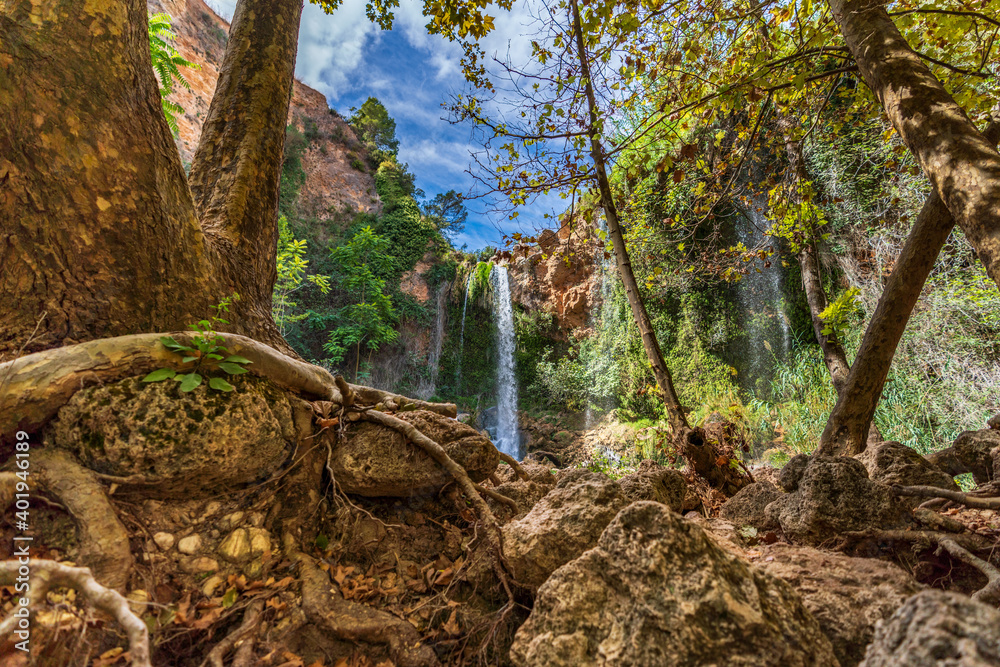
[656, 590]
[974, 451]
[746, 508]
[937, 629]
[561, 526]
[376, 461]
[189, 444]
[833, 495]
[652, 481]
[894, 463]
[847, 596]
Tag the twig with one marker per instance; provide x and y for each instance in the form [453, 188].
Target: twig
[48, 574]
[251, 619]
[991, 591]
[499, 497]
[956, 496]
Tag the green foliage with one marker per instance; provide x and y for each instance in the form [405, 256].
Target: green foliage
[837, 314]
[370, 320]
[167, 63]
[207, 355]
[479, 288]
[292, 276]
[293, 176]
[447, 212]
[376, 130]
[407, 232]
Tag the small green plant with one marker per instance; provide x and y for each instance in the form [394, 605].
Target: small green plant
[166, 61]
[836, 315]
[207, 354]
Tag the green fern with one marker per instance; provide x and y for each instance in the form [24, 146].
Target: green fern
[166, 63]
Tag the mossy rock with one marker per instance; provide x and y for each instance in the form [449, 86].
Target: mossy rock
[194, 443]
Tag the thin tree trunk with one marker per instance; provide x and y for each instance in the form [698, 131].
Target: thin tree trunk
[960, 162]
[237, 165]
[651, 345]
[846, 431]
[97, 226]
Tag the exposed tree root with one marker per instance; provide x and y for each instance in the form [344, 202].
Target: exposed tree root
[512, 462]
[957, 496]
[39, 384]
[372, 396]
[251, 619]
[989, 593]
[47, 574]
[104, 545]
[971, 542]
[353, 622]
[499, 497]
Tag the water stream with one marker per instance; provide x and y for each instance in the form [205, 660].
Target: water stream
[461, 336]
[437, 340]
[507, 437]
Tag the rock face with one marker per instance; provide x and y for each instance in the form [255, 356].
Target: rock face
[561, 526]
[376, 461]
[746, 508]
[894, 463]
[832, 495]
[657, 591]
[937, 629]
[201, 441]
[847, 596]
[652, 481]
[977, 452]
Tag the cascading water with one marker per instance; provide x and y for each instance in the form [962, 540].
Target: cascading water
[437, 341]
[759, 295]
[507, 438]
[461, 335]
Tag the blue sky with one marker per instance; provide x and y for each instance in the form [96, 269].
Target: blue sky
[348, 59]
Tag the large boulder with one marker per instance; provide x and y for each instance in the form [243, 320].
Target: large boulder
[656, 590]
[183, 443]
[561, 526]
[746, 508]
[894, 463]
[377, 461]
[977, 452]
[937, 629]
[847, 596]
[652, 481]
[832, 495]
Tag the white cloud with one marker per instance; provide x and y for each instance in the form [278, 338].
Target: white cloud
[331, 47]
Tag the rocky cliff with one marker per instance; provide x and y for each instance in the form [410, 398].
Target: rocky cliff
[336, 175]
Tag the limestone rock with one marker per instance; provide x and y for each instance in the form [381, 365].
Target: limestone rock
[791, 473]
[377, 461]
[847, 596]
[212, 584]
[199, 564]
[834, 495]
[260, 541]
[236, 547]
[188, 443]
[894, 463]
[561, 526]
[525, 494]
[974, 449]
[163, 540]
[652, 481]
[189, 545]
[656, 590]
[746, 508]
[937, 629]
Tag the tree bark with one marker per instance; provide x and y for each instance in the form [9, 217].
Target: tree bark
[237, 165]
[97, 227]
[99, 231]
[847, 429]
[961, 163]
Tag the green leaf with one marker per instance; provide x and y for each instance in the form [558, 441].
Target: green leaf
[169, 343]
[322, 542]
[237, 359]
[160, 374]
[232, 369]
[214, 357]
[219, 384]
[229, 599]
[190, 382]
[187, 359]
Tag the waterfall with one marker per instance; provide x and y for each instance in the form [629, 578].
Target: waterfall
[461, 336]
[760, 295]
[434, 355]
[507, 439]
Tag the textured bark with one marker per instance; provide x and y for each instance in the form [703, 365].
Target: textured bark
[237, 165]
[961, 163]
[99, 231]
[847, 429]
[97, 226]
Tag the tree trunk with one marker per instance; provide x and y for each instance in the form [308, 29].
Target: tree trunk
[98, 228]
[961, 163]
[237, 165]
[846, 431]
